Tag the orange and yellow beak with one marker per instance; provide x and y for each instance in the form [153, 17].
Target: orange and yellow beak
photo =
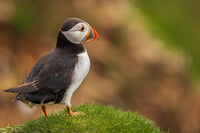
[91, 35]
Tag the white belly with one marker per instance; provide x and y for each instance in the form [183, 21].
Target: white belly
[80, 72]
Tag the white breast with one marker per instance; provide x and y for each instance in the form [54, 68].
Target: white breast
[80, 72]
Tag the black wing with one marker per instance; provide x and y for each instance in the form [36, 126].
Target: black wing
[57, 72]
[51, 75]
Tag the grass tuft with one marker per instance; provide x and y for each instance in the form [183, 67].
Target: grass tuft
[97, 118]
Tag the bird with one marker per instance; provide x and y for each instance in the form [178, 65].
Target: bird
[56, 75]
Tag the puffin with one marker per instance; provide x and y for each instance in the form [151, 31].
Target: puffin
[55, 76]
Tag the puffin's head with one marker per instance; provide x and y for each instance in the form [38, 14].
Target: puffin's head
[77, 31]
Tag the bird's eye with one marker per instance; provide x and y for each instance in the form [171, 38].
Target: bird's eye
[82, 28]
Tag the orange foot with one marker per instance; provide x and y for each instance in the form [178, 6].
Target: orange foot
[70, 113]
[76, 113]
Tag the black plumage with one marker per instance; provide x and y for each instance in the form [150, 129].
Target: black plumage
[51, 75]
[69, 23]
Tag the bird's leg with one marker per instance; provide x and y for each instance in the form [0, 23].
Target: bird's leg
[69, 112]
[44, 110]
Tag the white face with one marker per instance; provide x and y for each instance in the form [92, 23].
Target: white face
[77, 33]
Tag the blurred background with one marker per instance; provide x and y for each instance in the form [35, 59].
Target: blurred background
[147, 59]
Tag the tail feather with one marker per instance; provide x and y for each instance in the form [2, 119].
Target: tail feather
[13, 90]
[25, 88]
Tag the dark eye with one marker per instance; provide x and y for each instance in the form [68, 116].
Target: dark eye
[82, 28]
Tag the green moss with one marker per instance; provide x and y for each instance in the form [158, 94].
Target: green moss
[97, 118]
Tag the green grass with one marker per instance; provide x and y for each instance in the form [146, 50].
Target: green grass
[97, 118]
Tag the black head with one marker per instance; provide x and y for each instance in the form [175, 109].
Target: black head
[69, 23]
[75, 31]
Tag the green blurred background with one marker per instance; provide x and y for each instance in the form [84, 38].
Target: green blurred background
[146, 60]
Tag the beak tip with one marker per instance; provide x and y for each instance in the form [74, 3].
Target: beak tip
[93, 35]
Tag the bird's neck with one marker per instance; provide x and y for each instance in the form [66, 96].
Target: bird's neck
[65, 44]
